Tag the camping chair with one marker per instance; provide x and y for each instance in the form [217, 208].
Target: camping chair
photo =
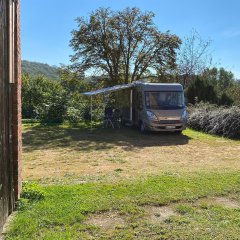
[117, 118]
[108, 117]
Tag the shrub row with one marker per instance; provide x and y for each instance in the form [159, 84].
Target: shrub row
[215, 120]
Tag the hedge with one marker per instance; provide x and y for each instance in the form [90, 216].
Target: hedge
[215, 120]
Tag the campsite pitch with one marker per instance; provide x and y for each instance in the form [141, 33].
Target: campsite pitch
[75, 155]
[119, 184]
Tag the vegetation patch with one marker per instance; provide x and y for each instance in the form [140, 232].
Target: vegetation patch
[216, 120]
[164, 174]
[79, 211]
[31, 193]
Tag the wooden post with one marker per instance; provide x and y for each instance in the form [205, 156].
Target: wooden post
[16, 102]
[10, 107]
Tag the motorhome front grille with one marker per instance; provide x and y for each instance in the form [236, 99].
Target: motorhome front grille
[170, 122]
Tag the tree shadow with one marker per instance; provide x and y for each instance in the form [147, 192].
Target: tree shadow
[84, 139]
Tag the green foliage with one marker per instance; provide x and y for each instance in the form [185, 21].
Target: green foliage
[77, 108]
[43, 99]
[29, 99]
[220, 78]
[215, 86]
[35, 69]
[201, 90]
[224, 85]
[225, 100]
[226, 79]
[77, 105]
[234, 93]
[124, 45]
[56, 101]
[32, 191]
[72, 82]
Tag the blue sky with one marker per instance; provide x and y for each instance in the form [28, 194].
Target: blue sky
[46, 25]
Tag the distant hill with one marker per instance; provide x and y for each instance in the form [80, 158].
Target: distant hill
[36, 68]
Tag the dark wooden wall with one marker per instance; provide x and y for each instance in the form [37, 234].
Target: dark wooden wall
[10, 135]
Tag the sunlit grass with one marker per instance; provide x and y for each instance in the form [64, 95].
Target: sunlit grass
[65, 209]
[118, 173]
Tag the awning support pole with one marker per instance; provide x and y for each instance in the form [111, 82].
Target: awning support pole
[91, 113]
[131, 105]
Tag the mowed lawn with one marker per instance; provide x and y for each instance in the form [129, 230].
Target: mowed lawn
[52, 154]
[120, 184]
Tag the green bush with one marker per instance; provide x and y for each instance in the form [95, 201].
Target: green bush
[201, 90]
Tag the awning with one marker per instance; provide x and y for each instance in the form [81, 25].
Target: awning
[111, 89]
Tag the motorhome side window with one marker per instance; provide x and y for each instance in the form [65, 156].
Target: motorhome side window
[164, 100]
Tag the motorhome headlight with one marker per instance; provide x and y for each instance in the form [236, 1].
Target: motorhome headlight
[151, 115]
[184, 115]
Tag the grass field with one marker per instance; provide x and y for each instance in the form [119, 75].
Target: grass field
[119, 184]
[54, 154]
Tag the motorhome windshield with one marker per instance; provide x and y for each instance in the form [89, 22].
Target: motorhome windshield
[164, 100]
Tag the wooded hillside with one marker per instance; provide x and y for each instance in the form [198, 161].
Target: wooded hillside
[36, 68]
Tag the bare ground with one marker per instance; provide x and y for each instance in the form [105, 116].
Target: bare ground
[226, 202]
[157, 214]
[106, 220]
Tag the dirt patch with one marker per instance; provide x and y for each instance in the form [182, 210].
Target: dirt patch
[159, 214]
[106, 220]
[223, 201]
[226, 202]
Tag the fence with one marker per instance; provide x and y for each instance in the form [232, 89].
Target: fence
[10, 132]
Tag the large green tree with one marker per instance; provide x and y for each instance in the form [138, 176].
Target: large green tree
[125, 45]
[220, 78]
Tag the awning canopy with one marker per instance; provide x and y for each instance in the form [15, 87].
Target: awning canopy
[111, 89]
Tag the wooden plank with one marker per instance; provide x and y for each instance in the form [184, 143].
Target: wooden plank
[6, 70]
[2, 107]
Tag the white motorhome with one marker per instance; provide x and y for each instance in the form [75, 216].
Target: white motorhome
[157, 107]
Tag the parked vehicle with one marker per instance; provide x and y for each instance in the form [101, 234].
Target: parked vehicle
[150, 106]
[157, 107]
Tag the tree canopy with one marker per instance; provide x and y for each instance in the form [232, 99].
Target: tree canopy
[124, 45]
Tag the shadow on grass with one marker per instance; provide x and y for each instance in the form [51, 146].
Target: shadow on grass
[84, 139]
